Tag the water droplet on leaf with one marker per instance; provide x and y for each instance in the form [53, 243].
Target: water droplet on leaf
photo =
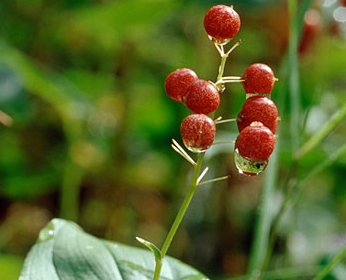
[46, 233]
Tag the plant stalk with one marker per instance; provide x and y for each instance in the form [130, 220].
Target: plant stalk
[291, 197]
[179, 217]
[324, 272]
[294, 75]
[197, 168]
[264, 226]
[264, 219]
[70, 191]
[317, 138]
[222, 67]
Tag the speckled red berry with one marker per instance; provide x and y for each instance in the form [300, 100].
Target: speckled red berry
[258, 109]
[201, 97]
[178, 81]
[255, 142]
[198, 132]
[221, 23]
[258, 78]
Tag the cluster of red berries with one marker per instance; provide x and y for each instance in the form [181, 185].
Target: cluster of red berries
[202, 98]
[257, 120]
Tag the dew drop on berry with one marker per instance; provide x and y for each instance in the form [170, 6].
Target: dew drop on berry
[248, 167]
[197, 132]
[219, 42]
[191, 148]
[196, 149]
[248, 95]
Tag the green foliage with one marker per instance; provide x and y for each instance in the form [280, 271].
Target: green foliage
[83, 82]
[156, 251]
[10, 267]
[64, 251]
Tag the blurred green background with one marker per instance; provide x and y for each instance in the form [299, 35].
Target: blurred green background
[83, 81]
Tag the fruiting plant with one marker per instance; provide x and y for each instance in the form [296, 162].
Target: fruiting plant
[257, 120]
[222, 23]
[64, 251]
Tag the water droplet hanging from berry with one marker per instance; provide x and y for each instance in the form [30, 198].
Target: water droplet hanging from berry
[247, 166]
[253, 147]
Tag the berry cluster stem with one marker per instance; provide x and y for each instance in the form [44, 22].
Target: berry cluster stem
[324, 272]
[195, 182]
[179, 217]
[222, 67]
[224, 57]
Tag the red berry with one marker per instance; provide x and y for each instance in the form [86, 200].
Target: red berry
[255, 142]
[258, 109]
[258, 78]
[198, 132]
[201, 97]
[221, 23]
[178, 81]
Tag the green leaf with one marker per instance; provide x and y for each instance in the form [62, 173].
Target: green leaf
[10, 266]
[46, 84]
[66, 252]
[116, 20]
[151, 247]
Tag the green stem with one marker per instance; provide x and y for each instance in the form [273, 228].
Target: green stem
[289, 69]
[70, 189]
[213, 180]
[179, 217]
[158, 268]
[324, 164]
[317, 138]
[222, 67]
[262, 227]
[324, 272]
[294, 74]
